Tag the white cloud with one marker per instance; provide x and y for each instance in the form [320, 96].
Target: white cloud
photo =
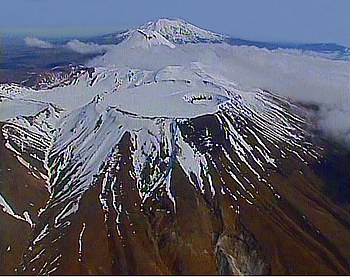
[35, 42]
[86, 48]
[73, 45]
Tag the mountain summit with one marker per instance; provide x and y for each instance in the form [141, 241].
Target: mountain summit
[176, 31]
[168, 156]
[180, 32]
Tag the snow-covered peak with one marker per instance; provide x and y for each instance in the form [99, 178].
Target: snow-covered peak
[145, 39]
[179, 31]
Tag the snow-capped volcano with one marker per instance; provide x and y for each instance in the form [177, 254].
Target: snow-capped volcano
[179, 31]
[164, 156]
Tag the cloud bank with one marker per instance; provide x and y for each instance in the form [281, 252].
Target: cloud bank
[86, 48]
[73, 45]
[38, 43]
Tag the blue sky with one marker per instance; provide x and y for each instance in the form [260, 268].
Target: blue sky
[269, 20]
